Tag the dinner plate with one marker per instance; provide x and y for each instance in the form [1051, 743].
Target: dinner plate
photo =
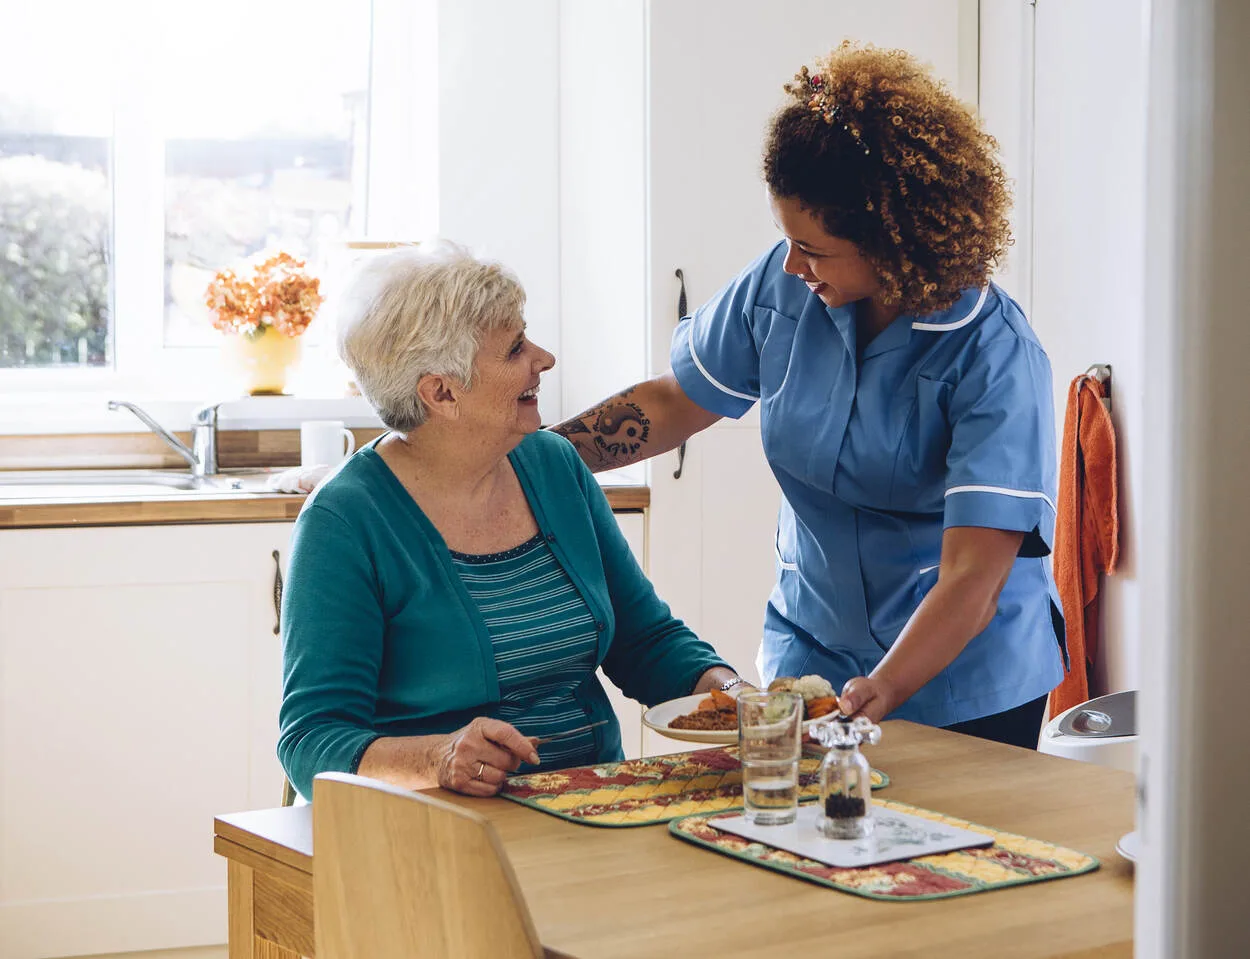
[660, 715]
[1129, 846]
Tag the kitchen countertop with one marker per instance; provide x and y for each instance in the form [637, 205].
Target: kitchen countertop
[83, 506]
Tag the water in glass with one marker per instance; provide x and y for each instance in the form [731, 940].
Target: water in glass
[769, 727]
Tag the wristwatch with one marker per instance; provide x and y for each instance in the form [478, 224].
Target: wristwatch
[726, 687]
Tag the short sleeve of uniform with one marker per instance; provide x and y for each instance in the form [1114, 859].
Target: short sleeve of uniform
[1001, 469]
[714, 355]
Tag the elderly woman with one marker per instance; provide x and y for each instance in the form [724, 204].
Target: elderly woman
[905, 406]
[454, 586]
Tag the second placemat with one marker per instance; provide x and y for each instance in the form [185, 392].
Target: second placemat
[1012, 860]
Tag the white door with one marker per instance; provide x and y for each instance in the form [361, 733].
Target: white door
[140, 679]
[716, 69]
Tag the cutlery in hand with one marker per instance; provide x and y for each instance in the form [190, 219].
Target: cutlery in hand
[543, 740]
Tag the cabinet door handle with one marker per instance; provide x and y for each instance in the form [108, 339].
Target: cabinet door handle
[681, 312]
[277, 594]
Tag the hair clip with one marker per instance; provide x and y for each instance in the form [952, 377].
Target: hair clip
[832, 113]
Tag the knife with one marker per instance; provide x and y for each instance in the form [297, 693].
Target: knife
[543, 740]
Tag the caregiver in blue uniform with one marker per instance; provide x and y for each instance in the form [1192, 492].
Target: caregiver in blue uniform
[905, 406]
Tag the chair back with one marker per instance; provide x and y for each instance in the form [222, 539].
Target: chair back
[399, 874]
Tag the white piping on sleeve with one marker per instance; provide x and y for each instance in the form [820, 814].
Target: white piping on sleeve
[944, 327]
[708, 376]
[1003, 491]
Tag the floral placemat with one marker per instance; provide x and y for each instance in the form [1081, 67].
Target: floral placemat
[643, 792]
[1012, 861]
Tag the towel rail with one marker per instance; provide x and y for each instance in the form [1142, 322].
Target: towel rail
[1102, 373]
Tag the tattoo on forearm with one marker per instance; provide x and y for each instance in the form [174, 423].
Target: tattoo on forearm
[610, 434]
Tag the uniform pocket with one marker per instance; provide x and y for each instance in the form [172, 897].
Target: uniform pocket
[783, 544]
[920, 465]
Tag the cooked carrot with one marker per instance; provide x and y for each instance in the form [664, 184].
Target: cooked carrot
[821, 706]
[706, 705]
[724, 701]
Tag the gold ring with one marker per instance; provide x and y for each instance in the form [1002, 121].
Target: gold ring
[480, 767]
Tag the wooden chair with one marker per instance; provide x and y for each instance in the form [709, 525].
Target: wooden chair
[399, 874]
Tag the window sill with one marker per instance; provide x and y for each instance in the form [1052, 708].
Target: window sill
[63, 413]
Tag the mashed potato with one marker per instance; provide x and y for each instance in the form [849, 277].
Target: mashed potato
[812, 687]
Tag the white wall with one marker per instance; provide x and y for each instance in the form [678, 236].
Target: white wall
[1088, 246]
[403, 152]
[603, 282]
[499, 152]
[1005, 102]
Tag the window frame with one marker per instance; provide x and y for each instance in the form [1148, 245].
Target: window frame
[140, 364]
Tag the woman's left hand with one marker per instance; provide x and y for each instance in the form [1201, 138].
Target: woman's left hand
[866, 696]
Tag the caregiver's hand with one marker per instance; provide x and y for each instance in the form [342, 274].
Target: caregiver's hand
[476, 759]
[867, 696]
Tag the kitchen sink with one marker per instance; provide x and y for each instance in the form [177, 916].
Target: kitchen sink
[125, 484]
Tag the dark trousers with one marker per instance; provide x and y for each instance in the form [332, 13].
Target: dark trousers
[1015, 727]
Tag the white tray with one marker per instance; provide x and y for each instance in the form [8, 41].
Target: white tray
[897, 835]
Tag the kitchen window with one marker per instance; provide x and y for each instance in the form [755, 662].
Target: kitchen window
[143, 146]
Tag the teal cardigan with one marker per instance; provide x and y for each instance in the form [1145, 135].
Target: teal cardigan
[380, 637]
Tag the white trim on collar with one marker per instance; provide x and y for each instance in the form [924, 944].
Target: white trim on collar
[944, 327]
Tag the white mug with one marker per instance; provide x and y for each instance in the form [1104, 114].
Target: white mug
[324, 443]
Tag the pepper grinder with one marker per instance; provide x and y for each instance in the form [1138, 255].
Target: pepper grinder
[845, 777]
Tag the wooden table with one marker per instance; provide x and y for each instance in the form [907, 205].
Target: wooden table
[640, 892]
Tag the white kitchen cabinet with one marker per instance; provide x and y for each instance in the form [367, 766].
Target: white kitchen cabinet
[140, 678]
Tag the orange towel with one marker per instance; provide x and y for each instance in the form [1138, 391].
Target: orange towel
[1087, 530]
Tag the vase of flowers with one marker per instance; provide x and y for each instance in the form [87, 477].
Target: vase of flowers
[263, 313]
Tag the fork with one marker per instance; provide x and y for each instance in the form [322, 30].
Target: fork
[543, 740]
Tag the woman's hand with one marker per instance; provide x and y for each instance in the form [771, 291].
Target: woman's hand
[476, 760]
[867, 696]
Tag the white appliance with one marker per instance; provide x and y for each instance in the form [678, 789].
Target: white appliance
[1101, 731]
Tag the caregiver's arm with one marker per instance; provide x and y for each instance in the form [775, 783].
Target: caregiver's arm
[976, 562]
[649, 418]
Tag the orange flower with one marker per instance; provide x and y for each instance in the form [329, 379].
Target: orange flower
[278, 294]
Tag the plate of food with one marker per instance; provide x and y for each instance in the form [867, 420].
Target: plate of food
[713, 717]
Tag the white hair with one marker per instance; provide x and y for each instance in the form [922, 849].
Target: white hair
[419, 311]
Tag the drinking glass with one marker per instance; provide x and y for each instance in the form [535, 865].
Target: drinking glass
[769, 731]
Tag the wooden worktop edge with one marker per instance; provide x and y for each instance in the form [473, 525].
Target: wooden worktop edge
[180, 510]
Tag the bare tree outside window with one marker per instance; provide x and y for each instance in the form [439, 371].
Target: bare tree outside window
[55, 192]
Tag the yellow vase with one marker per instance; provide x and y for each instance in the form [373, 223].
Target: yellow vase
[262, 362]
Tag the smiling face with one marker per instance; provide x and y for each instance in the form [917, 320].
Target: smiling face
[506, 372]
[833, 268]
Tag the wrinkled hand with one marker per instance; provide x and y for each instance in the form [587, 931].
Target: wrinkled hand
[476, 760]
[866, 696]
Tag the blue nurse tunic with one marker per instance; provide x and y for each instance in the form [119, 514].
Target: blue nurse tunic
[939, 421]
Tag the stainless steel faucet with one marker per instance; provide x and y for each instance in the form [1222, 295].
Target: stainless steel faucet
[202, 454]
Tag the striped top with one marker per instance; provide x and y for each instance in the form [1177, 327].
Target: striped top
[545, 640]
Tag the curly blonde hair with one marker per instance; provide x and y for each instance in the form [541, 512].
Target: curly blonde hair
[887, 157]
